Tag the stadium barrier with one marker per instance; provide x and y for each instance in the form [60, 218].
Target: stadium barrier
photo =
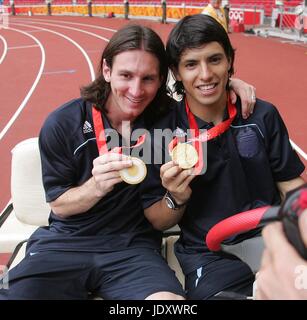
[247, 15]
[242, 14]
[160, 10]
[290, 21]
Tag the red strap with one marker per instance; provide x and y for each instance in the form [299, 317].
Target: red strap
[197, 138]
[101, 137]
[221, 127]
[99, 131]
[195, 134]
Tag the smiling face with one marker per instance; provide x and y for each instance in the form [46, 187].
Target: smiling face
[204, 74]
[135, 80]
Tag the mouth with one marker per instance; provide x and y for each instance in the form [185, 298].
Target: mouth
[135, 100]
[207, 89]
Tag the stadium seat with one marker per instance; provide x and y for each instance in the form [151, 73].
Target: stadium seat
[28, 195]
[29, 208]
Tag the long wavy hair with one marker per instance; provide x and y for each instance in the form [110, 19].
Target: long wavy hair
[193, 32]
[131, 37]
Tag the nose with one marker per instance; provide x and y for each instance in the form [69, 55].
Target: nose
[205, 72]
[136, 88]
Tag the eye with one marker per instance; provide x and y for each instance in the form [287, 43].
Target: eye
[149, 79]
[215, 59]
[190, 65]
[125, 75]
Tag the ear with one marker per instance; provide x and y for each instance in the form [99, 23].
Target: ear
[106, 71]
[229, 64]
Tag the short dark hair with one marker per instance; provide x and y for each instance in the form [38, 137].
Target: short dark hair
[193, 32]
[131, 37]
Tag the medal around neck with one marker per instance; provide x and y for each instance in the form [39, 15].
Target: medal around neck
[185, 155]
[134, 174]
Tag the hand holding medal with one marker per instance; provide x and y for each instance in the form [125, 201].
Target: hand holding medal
[131, 175]
[177, 175]
[189, 154]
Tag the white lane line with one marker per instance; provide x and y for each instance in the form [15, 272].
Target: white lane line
[32, 31]
[94, 51]
[72, 28]
[23, 47]
[4, 49]
[298, 150]
[60, 71]
[26, 99]
[90, 65]
[73, 23]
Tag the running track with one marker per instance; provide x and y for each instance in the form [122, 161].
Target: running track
[45, 60]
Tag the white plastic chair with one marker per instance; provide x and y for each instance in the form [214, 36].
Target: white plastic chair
[30, 209]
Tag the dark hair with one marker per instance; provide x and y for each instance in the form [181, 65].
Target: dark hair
[193, 32]
[131, 37]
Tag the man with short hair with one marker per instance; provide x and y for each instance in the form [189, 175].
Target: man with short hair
[239, 164]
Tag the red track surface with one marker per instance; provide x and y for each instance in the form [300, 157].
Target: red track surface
[278, 70]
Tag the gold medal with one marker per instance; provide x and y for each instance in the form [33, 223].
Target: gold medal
[185, 155]
[134, 174]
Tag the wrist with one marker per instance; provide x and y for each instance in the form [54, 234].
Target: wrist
[93, 188]
[174, 202]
